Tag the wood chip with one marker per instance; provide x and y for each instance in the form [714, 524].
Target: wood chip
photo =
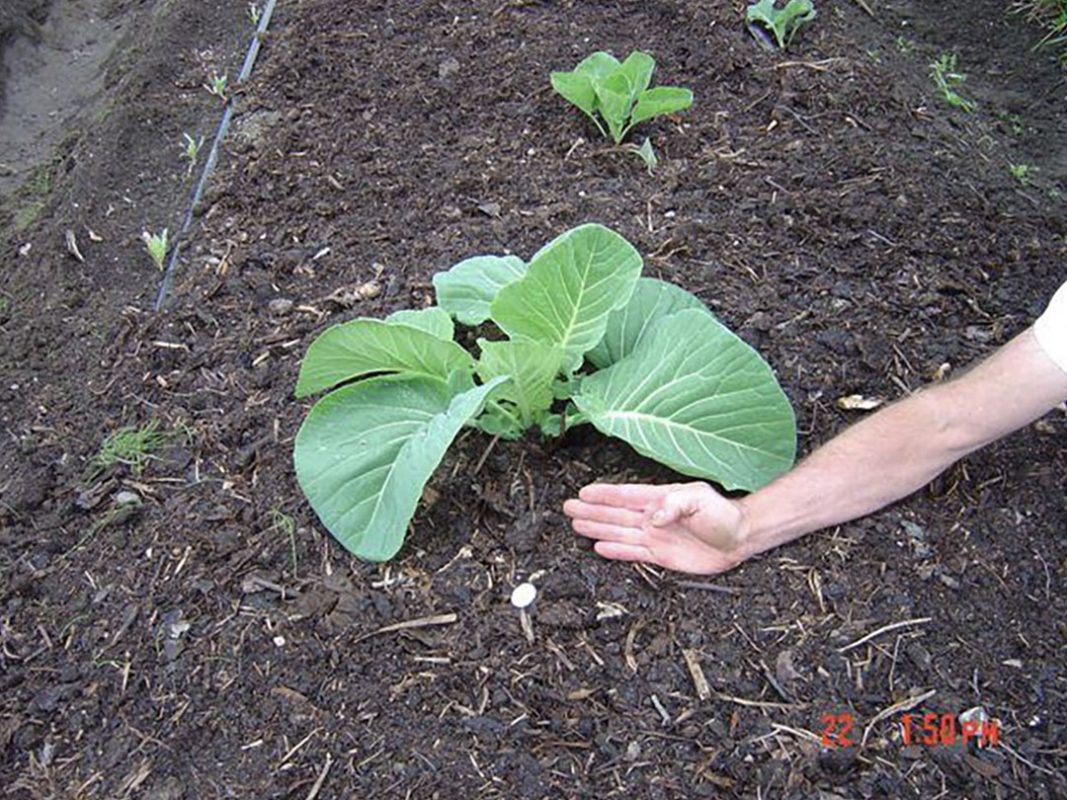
[696, 672]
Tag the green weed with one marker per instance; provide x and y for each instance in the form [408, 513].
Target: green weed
[945, 77]
[1052, 15]
[254, 14]
[1023, 173]
[905, 45]
[283, 522]
[132, 446]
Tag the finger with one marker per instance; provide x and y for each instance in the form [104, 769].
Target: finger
[605, 532]
[623, 552]
[678, 505]
[612, 515]
[625, 495]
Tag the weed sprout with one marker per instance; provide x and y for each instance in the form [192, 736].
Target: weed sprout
[156, 245]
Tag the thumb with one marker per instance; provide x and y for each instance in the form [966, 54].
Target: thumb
[679, 505]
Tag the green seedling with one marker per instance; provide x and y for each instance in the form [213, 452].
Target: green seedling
[617, 95]
[585, 340]
[783, 23]
[156, 245]
[905, 45]
[254, 14]
[1023, 173]
[217, 86]
[646, 154]
[132, 446]
[191, 152]
[284, 523]
[945, 77]
[1052, 14]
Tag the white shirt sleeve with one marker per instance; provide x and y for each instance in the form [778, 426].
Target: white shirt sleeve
[1051, 328]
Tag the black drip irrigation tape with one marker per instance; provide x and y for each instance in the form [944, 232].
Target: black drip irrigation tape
[213, 156]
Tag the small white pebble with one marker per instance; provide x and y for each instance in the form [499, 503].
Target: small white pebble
[523, 595]
[279, 641]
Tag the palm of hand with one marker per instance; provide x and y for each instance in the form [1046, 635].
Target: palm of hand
[684, 527]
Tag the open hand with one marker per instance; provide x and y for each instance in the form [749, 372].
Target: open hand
[687, 527]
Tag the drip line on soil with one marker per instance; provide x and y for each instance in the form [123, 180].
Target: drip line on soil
[213, 155]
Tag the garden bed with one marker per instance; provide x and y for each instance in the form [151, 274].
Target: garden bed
[824, 203]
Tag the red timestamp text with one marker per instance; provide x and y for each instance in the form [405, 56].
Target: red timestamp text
[946, 729]
[928, 729]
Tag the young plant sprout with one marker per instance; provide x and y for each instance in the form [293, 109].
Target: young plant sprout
[783, 23]
[217, 86]
[646, 154]
[156, 245]
[945, 77]
[1023, 173]
[523, 597]
[618, 94]
[192, 151]
[254, 14]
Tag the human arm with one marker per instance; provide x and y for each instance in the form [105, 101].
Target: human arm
[887, 456]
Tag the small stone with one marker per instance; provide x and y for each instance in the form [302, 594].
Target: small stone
[126, 498]
[280, 306]
[633, 751]
[279, 641]
[523, 595]
[447, 68]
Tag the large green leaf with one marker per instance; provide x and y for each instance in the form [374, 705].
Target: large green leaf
[570, 287]
[365, 452]
[598, 65]
[652, 300]
[532, 367]
[368, 346]
[466, 290]
[659, 101]
[577, 89]
[433, 320]
[695, 397]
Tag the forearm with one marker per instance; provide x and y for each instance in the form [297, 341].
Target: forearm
[901, 448]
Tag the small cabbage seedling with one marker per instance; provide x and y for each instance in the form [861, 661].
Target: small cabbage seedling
[783, 23]
[217, 86]
[618, 93]
[191, 151]
[945, 77]
[577, 337]
[156, 245]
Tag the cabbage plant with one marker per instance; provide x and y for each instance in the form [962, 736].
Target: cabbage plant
[574, 336]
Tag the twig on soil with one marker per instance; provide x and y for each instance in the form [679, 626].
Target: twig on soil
[904, 705]
[421, 622]
[321, 779]
[741, 701]
[1026, 761]
[818, 66]
[710, 587]
[696, 672]
[485, 455]
[296, 747]
[884, 629]
[863, 4]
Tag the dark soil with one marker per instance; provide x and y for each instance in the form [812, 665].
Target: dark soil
[825, 203]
